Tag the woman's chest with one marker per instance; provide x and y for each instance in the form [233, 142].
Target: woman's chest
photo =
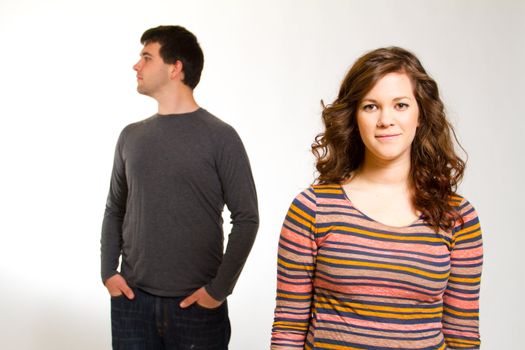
[358, 259]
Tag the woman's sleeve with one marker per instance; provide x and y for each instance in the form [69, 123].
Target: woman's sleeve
[461, 298]
[295, 270]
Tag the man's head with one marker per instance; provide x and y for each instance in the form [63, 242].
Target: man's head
[177, 44]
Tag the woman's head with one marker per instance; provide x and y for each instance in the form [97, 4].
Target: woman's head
[387, 118]
[340, 150]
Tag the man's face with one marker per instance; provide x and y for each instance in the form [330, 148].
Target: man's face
[153, 75]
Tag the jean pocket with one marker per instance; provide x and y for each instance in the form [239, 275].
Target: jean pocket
[200, 307]
[113, 297]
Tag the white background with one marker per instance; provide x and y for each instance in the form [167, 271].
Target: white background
[67, 89]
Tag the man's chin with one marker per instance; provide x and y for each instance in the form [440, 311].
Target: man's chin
[142, 91]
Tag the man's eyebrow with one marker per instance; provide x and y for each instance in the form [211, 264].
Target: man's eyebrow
[145, 54]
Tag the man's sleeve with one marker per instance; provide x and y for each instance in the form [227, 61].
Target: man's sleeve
[240, 196]
[111, 240]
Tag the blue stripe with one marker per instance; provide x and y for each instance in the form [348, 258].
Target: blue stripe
[382, 239]
[352, 299]
[409, 252]
[339, 277]
[384, 330]
[301, 233]
[355, 316]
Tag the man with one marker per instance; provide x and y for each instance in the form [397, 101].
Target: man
[172, 175]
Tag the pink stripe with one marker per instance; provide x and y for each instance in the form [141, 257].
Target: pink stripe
[379, 291]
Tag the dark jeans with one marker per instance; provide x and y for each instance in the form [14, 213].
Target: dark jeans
[149, 322]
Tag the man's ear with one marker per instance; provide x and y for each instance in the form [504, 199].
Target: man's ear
[177, 71]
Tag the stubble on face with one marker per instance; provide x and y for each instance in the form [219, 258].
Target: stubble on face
[152, 72]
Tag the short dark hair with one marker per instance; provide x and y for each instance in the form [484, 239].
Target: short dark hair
[178, 44]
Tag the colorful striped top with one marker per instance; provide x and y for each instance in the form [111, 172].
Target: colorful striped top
[346, 281]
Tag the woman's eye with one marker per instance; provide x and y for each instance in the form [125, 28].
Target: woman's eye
[402, 106]
[369, 107]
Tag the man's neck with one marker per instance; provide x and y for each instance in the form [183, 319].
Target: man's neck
[179, 102]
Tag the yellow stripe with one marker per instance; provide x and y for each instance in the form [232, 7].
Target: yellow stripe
[291, 323]
[464, 341]
[302, 213]
[460, 345]
[297, 266]
[383, 266]
[299, 219]
[329, 191]
[334, 346]
[465, 279]
[460, 313]
[300, 326]
[326, 186]
[456, 198]
[377, 307]
[380, 314]
[468, 236]
[293, 296]
[467, 229]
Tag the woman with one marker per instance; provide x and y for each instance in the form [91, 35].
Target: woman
[381, 253]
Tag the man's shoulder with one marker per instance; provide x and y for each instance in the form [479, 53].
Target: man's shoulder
[217, 128]
[213, 120]
[138, 125]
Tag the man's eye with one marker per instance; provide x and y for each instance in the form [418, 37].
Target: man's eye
[369, 107]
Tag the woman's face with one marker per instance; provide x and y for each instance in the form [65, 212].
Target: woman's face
[387, 118]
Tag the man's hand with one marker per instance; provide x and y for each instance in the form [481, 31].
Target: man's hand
[202, 298]
[117, 286]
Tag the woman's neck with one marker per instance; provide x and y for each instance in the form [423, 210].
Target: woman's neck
[382, 173]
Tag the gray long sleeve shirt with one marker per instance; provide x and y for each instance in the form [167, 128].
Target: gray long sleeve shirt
[172, 175]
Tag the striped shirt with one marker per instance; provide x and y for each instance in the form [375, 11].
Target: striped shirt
[346, 281]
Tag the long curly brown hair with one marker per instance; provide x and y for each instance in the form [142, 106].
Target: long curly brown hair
[435, 170]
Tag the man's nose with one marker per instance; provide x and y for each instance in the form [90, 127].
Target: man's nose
[137, 66]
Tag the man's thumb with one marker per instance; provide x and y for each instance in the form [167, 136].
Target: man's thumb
[128, 292]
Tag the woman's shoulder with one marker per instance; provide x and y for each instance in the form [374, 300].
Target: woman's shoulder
[326, 187]
[321, 194]
[460, 203]
[323, 190]
[469, 216]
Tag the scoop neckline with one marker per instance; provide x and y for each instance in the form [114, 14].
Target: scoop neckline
[374, 220]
